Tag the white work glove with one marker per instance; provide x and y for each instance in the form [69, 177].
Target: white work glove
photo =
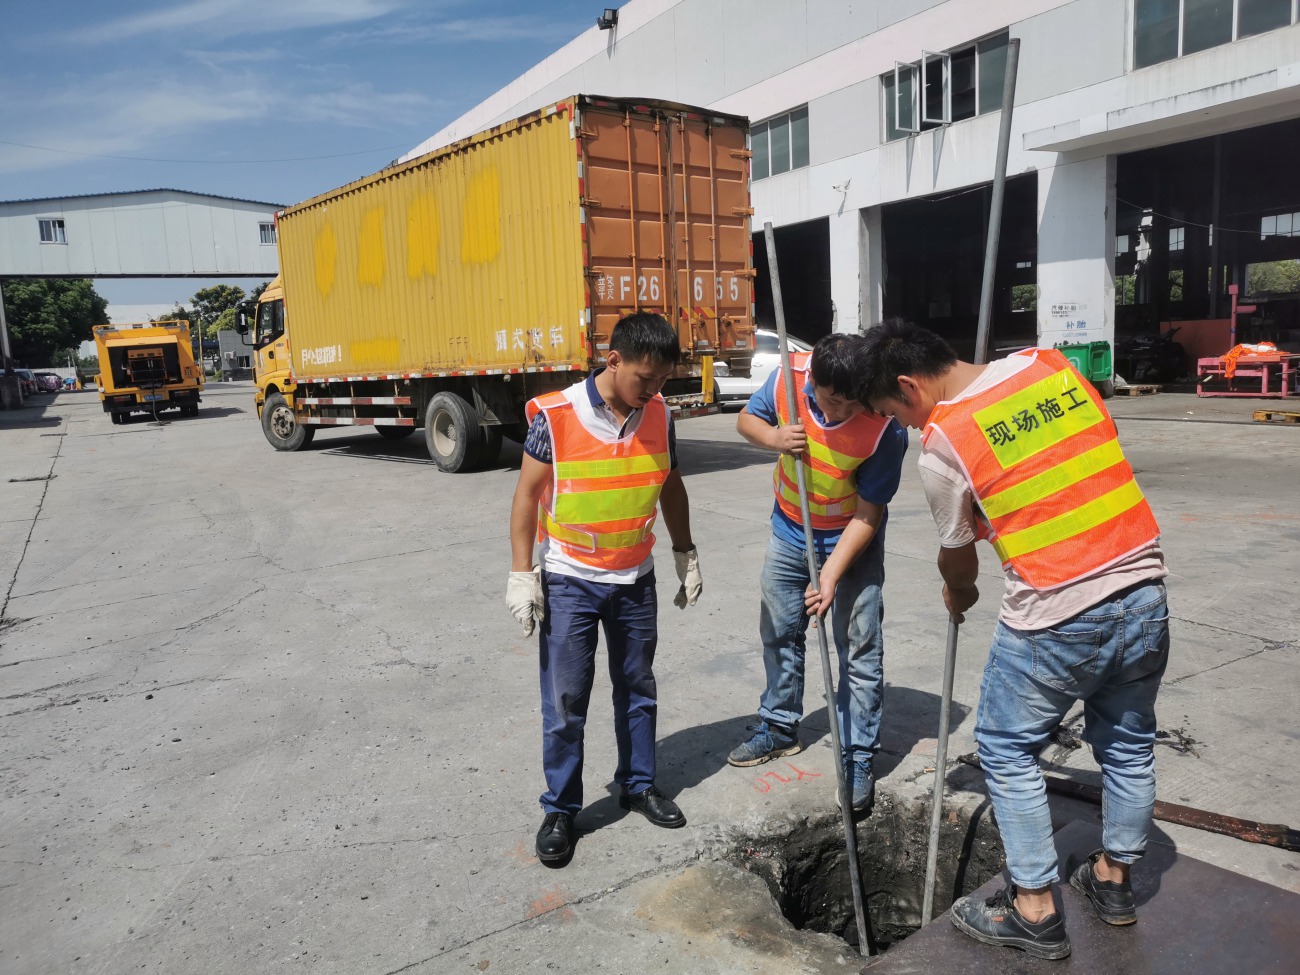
[524, 597]
[688, 571]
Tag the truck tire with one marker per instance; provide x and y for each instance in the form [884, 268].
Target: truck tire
[452, 433]
[490, 449]
[395, 433]
[281, 427]
[117, 417]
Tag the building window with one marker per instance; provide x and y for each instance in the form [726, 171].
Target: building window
[944, 87]
[1279, 225]
[1167, 29]
[267, 231]
[780, 144]
[52, 231]
[1176, 238]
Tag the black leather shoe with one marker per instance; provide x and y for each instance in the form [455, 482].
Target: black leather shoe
[654, 806]
[1113, 902]
[555, 838]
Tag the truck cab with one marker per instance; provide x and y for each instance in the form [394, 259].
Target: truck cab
[273, 372]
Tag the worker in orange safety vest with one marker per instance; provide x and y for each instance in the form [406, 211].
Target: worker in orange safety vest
[1023, 452]
[599, 458]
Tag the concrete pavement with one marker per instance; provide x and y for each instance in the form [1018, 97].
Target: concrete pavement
[268, 712]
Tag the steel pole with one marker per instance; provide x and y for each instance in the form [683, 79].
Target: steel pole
[995, 203]
[940, 764]
[865, 938]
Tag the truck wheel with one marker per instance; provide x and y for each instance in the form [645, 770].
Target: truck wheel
[117, 417]
[395, 433]
[490, 449]
[281, 427]
[452, 433]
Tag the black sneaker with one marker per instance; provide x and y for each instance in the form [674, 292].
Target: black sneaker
[995, 921]
[1112, 901]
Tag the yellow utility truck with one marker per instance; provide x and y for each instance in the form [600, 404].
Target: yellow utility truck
[147, 367]
[442, 293]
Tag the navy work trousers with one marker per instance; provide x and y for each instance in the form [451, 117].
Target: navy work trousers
[575, 610]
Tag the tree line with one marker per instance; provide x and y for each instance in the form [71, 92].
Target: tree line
[49, 318]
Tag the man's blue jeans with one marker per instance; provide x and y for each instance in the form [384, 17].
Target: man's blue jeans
[855, 621]
[1111, 657]
[575, 610]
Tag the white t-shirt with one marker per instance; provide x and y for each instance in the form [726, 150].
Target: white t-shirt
[600, 422]
[952, 503]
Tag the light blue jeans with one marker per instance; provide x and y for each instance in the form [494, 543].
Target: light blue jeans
[855, 620]
[1111, 657]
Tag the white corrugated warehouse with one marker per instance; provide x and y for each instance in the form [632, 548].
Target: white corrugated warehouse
[1139, 126]
[144, 233]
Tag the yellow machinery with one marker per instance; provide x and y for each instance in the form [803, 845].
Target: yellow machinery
[147, 367]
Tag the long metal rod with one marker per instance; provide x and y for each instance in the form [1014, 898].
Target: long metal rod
[865, 938]
[1247, 830]
[995, 204]
[940, 764]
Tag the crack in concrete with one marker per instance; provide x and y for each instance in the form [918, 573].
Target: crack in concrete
[30, 530]
[591, 898]
[1272, 645]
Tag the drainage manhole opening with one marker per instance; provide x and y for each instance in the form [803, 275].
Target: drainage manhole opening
[807, 868]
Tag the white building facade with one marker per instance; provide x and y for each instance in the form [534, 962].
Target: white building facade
[875, 134]
[144, 233]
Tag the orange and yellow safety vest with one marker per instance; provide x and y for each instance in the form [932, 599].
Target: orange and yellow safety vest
[1043, 460]
[833, 456]
[600, 505]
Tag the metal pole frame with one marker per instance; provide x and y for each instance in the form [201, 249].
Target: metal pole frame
[981, 357]
[865, 938]
[995, 204]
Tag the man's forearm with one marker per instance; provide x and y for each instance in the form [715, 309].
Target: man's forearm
[960, 567]
[676, 509]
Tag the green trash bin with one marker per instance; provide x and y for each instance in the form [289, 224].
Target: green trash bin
[1094, 362]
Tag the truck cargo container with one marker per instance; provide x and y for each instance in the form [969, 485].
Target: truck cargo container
[443, 293]
[146, 367]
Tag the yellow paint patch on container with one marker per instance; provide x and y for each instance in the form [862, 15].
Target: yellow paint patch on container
[422, 236]
[374, 354]
[480, 240]
[370, 248]
[326, 253]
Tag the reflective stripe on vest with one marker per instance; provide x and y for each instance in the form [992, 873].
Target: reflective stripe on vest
[599, 508]
[833, 457]
[1043, 459]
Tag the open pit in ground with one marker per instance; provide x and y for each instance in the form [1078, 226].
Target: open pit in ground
[805, 865]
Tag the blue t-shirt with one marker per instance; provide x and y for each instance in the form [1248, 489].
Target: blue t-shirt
[538, 442]
[878, 475]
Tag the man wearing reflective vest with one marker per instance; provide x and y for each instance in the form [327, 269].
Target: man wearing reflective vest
[1023, 453]
[599, 458]
[853, 460]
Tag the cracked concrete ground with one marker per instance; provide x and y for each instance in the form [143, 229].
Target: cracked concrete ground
[267, 712]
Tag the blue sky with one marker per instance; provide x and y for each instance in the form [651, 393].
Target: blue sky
[272, 100]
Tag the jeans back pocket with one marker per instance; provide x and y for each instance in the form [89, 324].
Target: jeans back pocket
[1066, 658]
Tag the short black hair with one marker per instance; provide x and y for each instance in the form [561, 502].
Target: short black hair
[837, 362]
[645, 335]
[896, 348]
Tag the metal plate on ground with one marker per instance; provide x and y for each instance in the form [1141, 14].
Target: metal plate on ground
[1192, 917]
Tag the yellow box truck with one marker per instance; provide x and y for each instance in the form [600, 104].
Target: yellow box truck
[441, 294]
[147, 367]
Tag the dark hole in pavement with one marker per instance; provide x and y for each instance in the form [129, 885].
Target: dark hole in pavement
[807, 868]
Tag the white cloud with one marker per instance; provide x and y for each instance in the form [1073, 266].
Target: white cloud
[525, 27]
[230, 18]
[132, 114]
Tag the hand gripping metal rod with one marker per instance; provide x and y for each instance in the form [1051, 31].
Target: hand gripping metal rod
[940, 765]
[865, 938]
